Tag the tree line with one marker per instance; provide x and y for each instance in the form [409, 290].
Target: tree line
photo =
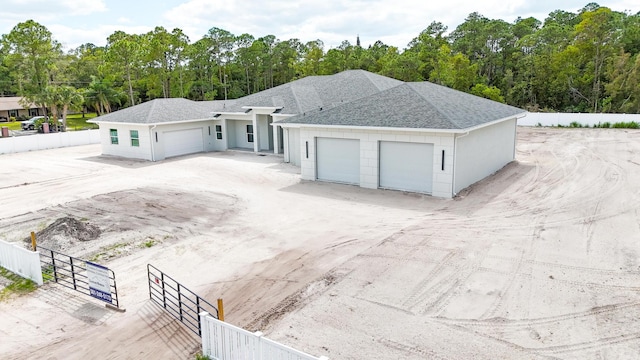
[585, 61]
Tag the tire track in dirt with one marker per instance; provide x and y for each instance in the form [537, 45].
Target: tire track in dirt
[600, 344]
[422, 288]
[524, 323]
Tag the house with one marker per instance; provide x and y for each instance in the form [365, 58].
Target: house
[162, 128]
[11, 107]
[354, 127]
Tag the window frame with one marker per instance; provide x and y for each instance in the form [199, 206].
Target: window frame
[250, 133]
[135, 141]
[114, 138]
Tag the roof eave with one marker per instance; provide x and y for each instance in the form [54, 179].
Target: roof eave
[516, 116]
[372, 128]
[388, 128]
[151, 123]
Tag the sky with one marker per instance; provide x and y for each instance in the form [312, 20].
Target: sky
[394, 22]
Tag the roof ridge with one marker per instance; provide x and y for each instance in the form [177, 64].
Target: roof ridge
[295, 97]
[369, 74]
[153, 105]
[436, 108]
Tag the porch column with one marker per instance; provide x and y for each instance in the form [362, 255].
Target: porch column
[256, 132]
[276, 143]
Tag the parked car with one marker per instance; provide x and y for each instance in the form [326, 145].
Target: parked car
[31, 123]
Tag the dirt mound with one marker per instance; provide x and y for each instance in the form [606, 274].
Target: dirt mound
[66, 231]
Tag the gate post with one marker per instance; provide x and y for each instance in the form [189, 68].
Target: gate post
[180, 302]
[73, 274]
[33, 241]
[53, 264]
[164, 294]
[220, 310]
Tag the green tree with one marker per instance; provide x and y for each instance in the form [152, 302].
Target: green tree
[596, 34]
[454, 70]
[124, 52]
[427, 46]
[312, 54]
[68, 97]
[30, 54]
[100, 95]
[624, 88]
[489, 92]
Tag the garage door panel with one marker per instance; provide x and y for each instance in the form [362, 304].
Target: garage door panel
[182, 142]
[338, 160]
[406, 166]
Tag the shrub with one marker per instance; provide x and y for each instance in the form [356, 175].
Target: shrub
[626, 125]
[575, 124]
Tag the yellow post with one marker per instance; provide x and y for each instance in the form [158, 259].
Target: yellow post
[220, 310]
[33, 241]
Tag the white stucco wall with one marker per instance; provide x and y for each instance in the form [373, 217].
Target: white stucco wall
[369, 139]
[292, 151]
[216, 144]
[264, 132]
[483, 152]
[124, 148]
[148, 142]
[238, 134]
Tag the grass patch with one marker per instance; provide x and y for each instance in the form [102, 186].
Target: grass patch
[77, 122]
[12, 125]
[148, 243]
[625, 125]
[18, 285]
[109, 252]
[47, 274]
[74, 122]
[605, 125]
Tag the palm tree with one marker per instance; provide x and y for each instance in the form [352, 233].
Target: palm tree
[101, 95]
[68, 96]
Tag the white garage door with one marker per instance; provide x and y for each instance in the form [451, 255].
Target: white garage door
[182, 142]
[406, 166]
[338, 160]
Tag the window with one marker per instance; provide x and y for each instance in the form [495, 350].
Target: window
[13, 113]
[219, 132]
[135, 140]
[250, 133]
[33, 112]
[114, 136]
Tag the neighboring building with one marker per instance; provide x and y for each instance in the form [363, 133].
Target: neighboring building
[12, 107]
[354, 127]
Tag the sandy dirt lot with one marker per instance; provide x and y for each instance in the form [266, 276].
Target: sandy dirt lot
[540, 261]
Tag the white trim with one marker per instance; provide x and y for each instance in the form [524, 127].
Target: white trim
[262, 107]
[150, 124]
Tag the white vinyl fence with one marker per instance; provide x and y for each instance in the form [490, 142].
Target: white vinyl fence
[17, 144]
[21, 261]
[564, 119]
[223, 341]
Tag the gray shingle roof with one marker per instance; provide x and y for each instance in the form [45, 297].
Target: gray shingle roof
[420, 105]
[313, 92]
[159, 111]
[352, 98]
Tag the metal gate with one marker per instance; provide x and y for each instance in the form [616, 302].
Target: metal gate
[182, 303]
[83, 276]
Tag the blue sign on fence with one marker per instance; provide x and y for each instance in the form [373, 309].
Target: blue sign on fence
[99, 282]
